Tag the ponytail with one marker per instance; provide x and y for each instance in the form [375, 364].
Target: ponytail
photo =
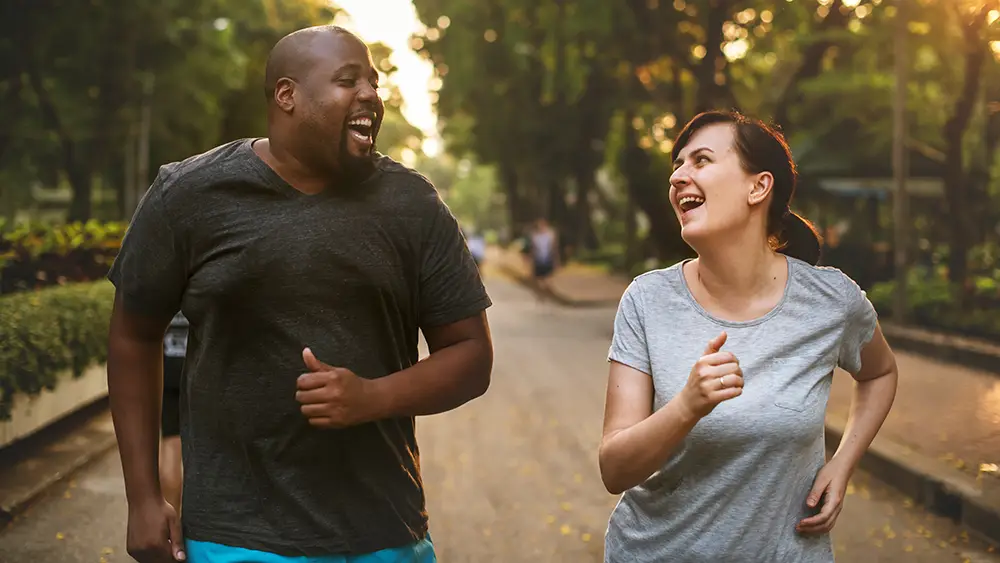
[799, 238]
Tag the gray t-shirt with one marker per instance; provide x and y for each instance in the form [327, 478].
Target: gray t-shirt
[736, 486]
[262, 271]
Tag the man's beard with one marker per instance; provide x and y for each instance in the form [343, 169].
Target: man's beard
[354, 169]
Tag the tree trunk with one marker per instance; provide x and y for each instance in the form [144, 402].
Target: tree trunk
[811, 66]
[77, 169]
[710, 93]
[515, 207]
[649, 194]
[956, 179]
[586, 236]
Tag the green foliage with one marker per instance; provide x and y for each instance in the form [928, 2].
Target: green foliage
[470, 189]
[73, 98]
[45, 332]
[937, 303]
[38, 255]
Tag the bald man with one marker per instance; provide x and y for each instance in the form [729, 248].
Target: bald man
[306, 263]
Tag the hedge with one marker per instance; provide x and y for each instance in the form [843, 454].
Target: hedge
[37, 255]
[50, 330]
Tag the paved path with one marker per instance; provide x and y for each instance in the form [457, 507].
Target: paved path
[513, 476]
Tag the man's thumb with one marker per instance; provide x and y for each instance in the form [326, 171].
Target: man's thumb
[176, 539]
[312, 363]
[715, 344]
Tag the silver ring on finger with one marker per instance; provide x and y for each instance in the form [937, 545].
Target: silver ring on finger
[722, 382]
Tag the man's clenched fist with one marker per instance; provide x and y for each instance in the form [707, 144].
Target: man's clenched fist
[333, 397]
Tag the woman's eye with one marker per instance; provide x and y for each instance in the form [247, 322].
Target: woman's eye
[701, 159]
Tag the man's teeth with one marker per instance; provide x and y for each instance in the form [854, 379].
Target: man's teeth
[365, 121]
[690, 199]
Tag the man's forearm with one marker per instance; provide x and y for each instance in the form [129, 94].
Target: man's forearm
[443, 381]
[135, 379]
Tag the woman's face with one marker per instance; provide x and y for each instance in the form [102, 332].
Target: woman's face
[710, 191]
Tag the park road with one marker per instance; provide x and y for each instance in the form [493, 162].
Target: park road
[511, 477]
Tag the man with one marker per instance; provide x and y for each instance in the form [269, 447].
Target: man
[306, 264]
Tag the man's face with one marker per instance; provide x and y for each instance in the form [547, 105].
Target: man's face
[341, 110]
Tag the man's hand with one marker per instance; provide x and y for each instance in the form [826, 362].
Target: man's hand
[154, 533]
[333, 397]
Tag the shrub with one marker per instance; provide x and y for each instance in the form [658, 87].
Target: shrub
[936, 303]
[48, 331]
[36, 255]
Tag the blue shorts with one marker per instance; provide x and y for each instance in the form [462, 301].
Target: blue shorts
[207, 552]
[544, 268]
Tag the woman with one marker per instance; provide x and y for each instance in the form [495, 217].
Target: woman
[721, 369]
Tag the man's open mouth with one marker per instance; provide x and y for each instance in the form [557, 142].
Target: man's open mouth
[361, 129]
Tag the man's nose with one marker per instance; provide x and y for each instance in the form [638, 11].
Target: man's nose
[368, 93]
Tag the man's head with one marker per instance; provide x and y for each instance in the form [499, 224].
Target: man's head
[322, 97]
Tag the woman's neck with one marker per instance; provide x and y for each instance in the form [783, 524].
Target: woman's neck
[737, 279]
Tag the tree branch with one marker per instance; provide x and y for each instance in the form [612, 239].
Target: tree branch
[812, 61]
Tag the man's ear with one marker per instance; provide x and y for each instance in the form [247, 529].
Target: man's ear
[284, 94]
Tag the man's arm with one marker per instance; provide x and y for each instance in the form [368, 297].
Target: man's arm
[456, 371]
[135, 389]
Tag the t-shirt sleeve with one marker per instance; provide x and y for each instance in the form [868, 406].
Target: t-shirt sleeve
[149, 271]
[628, 345]
[859, 326]
[451, 288]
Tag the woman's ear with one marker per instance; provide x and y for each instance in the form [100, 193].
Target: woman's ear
[761, 188]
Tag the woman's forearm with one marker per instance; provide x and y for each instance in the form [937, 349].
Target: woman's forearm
[628, 457]
[870, 405]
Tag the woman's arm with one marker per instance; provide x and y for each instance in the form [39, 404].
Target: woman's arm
[637, 442]
[873, 397]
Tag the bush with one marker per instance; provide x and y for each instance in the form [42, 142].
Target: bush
[936, 303]
[38, 255]
[47, 331]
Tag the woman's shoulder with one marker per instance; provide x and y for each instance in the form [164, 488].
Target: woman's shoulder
[824, 280]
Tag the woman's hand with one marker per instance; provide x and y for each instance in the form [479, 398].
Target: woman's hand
[830, 486]
[715, 377]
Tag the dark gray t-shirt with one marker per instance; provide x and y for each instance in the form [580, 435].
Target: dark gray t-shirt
[261, 271]
[735, 487]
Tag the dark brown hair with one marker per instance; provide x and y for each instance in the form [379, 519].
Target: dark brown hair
[762, 148]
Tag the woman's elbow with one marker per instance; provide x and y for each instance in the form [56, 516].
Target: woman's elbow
[611, 474]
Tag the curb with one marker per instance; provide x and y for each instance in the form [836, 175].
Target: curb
[16, 505]
[43, 478]
[929, 482]
[942, 348]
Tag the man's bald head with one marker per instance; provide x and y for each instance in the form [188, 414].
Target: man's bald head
[292, 56]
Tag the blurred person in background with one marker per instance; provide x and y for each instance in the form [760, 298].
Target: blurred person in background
[477, 246]
[542, 252]
[171, 465]
[308, 264]
[721, 369]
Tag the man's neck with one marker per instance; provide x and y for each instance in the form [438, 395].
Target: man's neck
[291, 169]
